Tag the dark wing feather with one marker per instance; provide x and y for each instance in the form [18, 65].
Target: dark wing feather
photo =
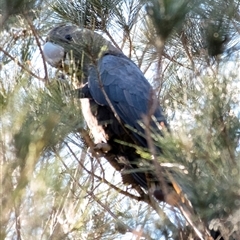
[127, 89]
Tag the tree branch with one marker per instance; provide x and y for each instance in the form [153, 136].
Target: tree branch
[39, 47]
[21, 65]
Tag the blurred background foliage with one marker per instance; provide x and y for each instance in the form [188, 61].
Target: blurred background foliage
[51, 188]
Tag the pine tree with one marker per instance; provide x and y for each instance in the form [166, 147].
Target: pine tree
[52, 189]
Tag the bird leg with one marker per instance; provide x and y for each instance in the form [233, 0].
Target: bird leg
[103, 147]
[99, 149]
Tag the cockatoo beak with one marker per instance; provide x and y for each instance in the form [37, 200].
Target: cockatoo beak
[53, 53]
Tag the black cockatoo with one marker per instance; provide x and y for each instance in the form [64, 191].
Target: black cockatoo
[115, 97]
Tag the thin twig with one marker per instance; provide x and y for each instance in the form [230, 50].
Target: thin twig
[39, 47]
[21, 65]
[90, 144]
[181, 202]
[105, 207]
[171, 59]
[147, 121]
[112, 40]
[103, 179]
[18, 222]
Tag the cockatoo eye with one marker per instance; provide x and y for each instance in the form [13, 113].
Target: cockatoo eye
[68, 37]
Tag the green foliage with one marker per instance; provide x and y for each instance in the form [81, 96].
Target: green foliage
[167, 16]
[206, 150]
[10, 10]
[89, 14]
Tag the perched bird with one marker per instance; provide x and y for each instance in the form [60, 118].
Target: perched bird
[115, 98]
[121, 111]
